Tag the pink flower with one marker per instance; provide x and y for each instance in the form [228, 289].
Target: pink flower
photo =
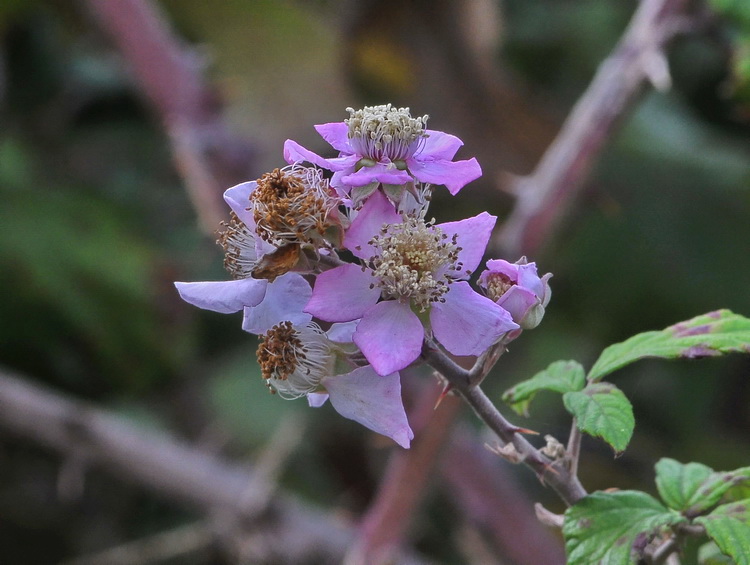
[414, 280]
[518, 288]
[303, 360]
[384, 145]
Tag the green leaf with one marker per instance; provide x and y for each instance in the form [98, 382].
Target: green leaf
[602, 410]
[613, 527]
[710, 554]
[693, 488]
[560, 376]
[712, 334]
[729, 526]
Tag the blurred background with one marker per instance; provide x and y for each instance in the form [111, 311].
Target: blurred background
[114, 151]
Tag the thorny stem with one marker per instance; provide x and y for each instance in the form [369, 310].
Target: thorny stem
[564, 483]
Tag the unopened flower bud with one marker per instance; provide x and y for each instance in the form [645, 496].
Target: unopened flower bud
[518, 288]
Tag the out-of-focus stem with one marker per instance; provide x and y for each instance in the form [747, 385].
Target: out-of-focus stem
[637, 60]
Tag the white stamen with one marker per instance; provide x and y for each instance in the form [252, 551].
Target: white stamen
[385, 132]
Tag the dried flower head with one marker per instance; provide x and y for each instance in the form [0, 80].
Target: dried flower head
[293, 205]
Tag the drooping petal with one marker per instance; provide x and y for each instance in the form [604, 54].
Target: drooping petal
[453, 174]
[379, 172]
[467, 323]
[375, 212]
[473, 235]
[373, 401]
[337, 135]
[342, 294]
[438, 145]
[295, 153]
[342, 332]
[285, 299]
[224, 297]
[390, 336]
[316, 399]
[238, 199]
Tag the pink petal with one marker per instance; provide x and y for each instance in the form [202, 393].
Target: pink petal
[285, 299]
[343, 163]
[295, 153]
[224, 297]
[518, 301]
[342, 332]
[453, 174]
[507, 268]
[373, 401]
[342, 294]
[375, 212]
[390, 336]
[468, 323]
[238, 198]
[473, 235]
[528, 278]
[316, 399]
[337, 135]
[438, 145]
[380, 172]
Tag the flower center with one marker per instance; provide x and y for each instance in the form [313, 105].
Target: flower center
[496, 285]
[294, 360]
[416, 261]
[385, 132]
[240, 257]
[291, 205]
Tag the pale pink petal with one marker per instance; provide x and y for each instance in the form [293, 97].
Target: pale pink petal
[453, 174]
[224, 297]
[316, 399]
[468, 323]
[380, 172]
[344, 163]
[507, 268]
[284, 301]
[528, 278]
[438, 145]
[518, 301]
[342, 294]
[390, 336]
[342, 332]
[375, 212]
[473, 235]
[238, 198]
[295, 153]
[337, 135]
[373, 401]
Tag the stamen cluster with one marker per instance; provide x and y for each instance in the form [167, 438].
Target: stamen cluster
[294, 360]
[238, 242]
[292, 205]
[379, 132]
[416, 261]
[496, 285]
